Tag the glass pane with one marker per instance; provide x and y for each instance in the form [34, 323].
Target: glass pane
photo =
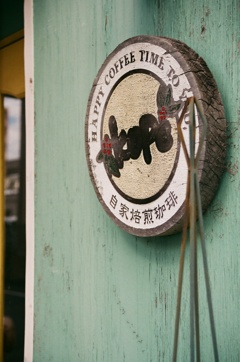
[14, 289]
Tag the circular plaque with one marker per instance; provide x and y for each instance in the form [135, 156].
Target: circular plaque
[135, 158]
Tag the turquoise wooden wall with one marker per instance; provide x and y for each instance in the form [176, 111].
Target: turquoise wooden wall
[102, 295]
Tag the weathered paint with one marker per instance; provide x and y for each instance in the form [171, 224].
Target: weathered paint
[2, 233]
[101, 294]
[29, 94]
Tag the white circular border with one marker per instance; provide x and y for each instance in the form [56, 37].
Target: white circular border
[105, 189]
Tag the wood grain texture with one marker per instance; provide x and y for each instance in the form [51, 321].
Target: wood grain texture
[102, 295]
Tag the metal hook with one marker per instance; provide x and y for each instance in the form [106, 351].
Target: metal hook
[193, 209]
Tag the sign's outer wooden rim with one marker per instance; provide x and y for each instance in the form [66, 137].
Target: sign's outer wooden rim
[212, 160]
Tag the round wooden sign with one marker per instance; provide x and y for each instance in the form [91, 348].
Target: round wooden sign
[135, 158]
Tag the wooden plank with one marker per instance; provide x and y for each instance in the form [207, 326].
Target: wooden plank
[2, 215]
[30, 154]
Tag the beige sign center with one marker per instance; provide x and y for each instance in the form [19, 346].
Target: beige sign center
[132, 97]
